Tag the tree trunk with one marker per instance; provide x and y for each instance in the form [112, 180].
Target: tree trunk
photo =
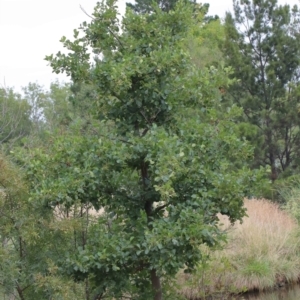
[20, 292]
[274, 173]
[270, 149]
[156, 286]
[155, 280]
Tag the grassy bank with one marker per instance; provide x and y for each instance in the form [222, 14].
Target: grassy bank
[261, 253]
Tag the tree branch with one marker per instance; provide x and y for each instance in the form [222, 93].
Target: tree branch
[157, 209]
[115, 36]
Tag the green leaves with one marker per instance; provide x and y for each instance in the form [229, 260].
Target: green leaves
[265, 60]
[15, 120]
[158, 163]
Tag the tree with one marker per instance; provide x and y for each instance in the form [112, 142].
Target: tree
[57, 109]
[36, 97]
[15, 114]
[263, 48]
[159, 161]
[146, 6]
[33, 236]
[33, 239]
[205, 48]
[26, 115]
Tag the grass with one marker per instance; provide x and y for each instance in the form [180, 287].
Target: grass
[261, 253]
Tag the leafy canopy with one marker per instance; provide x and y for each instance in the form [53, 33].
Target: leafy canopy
[146, 6]
[262, 46]
[158, 162]
[15, 117]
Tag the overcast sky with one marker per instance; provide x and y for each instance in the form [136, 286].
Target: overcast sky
[31, 29]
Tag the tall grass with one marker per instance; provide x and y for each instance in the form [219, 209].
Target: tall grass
[261, 252]
[291, 196]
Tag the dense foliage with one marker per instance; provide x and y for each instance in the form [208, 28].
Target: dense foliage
[162, 171]
[114, 183]
[14, 117]
[146, 6]
[262, 46]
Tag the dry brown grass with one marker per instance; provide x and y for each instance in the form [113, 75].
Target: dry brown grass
[78, 211]
[267, 229]
[261, 252]
[76, 218]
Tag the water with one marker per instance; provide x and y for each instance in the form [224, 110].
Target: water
[292, 293]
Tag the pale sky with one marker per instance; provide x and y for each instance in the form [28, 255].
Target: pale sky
[31, 29]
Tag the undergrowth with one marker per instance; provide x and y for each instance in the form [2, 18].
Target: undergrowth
[260, 253]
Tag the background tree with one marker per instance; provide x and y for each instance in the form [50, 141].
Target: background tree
[34, 237]
[146, 6]
[58, 111]
[263, 49]
[159, 165]
[36, 96]
[205, 47]
[15, 117]
[32, 241]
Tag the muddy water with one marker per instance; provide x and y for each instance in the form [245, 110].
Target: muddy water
[292, 293]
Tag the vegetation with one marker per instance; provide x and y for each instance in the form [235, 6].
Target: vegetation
[262, 46]
[15, 117]
[116, 185]
[261, 252]
[161, 183]
[146, 6]
[33, 240]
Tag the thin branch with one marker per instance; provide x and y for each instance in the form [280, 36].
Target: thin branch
[98, 296]
[115, 36]
[26, 287]
[154, 118]
[143, 115]
[86, 12]
[157, 209]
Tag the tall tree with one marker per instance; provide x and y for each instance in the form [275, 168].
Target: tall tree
[158, 163]
[146, 6]
[36, 96]
[263, 48]
[14, 116]
[57, 109]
